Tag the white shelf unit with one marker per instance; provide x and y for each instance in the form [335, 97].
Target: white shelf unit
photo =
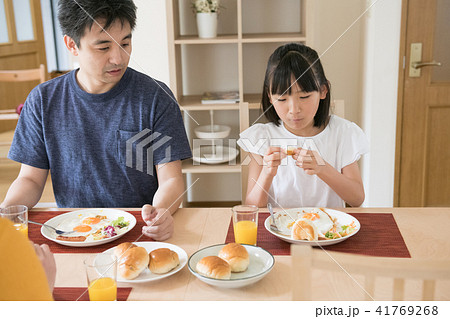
[248, 32]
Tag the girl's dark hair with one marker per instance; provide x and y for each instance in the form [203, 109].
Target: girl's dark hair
[297, 61]
[75, 16]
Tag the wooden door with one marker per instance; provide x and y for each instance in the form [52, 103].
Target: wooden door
[21, 47]
[422, 176]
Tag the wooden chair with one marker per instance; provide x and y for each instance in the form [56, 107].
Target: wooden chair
[10, 114]
[20, 76]
[12, 76]
[305, 259]
[338, 108]
[23, 75]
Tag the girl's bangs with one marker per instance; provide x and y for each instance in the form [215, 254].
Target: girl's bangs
[293, 66]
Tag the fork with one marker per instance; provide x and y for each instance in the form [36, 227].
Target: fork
[273, 225]
[57, 231]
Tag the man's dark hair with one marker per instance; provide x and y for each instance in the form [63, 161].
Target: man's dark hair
[298, 61]
[76, 15]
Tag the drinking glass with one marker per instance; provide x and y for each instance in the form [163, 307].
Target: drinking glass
[101, 272]
[245, 224]
[18, 214]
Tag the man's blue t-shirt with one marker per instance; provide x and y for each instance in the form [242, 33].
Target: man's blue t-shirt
[97, 146]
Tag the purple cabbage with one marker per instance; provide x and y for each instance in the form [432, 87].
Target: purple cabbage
[109, 231]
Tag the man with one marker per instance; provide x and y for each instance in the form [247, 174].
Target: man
[81, 126]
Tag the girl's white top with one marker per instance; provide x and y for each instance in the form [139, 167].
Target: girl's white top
[340, 144]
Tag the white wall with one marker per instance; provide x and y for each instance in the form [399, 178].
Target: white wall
[338, 41]
[381, 56]
[150, 50]
[50, 50]
[362, 67]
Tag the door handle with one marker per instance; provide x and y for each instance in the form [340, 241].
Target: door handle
[418, 65]
[415, 61]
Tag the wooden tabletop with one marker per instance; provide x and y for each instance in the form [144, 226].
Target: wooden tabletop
[422, 230]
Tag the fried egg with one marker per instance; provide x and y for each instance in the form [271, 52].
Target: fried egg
[320, 219]
[82, 228]
[91, 220]
[84, 225]
[284, 222]
[304, 229]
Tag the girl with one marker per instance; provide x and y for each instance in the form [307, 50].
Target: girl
[321, 169]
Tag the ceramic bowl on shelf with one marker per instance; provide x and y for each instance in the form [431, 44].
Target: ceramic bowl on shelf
[214, 154]
[218, 131]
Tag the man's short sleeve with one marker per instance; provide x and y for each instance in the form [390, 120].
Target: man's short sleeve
[171, 143]
[28, 146]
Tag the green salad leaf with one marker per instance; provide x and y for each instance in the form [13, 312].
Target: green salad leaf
[120, 222]
[329, 235]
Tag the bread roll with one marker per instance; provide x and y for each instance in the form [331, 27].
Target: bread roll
[304, 229]
[214, 267]
[163, 260]
[236, 256]
[133, 262]
[123, 247]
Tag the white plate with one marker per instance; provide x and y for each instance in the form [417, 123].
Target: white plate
[223, 154]
[147, 275]
[111, 214]
[219, 131]
[261, 263]
[342, 219]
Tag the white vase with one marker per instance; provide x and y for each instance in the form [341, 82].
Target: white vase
[207, 25]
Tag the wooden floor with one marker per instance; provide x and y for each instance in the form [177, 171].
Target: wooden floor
[8, 173]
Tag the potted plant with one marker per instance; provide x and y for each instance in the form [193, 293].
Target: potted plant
[206, 11]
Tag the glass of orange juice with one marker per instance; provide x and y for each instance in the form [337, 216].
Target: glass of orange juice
[101, 272]
[245, 224]
[18, 214]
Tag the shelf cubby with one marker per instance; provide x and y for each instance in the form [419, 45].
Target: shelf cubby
[248, 32]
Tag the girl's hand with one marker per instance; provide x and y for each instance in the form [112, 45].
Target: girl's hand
[310, 161]
[272, 159]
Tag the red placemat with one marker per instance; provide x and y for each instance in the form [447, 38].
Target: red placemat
[378, 236]
[34, 234]
[81, 294]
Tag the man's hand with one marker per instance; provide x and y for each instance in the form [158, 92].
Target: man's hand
[159, 222]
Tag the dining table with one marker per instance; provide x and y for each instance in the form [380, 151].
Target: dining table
[416, 233]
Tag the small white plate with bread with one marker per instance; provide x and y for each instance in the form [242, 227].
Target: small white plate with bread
[147, 261]
[313, 226]
[231, 265]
